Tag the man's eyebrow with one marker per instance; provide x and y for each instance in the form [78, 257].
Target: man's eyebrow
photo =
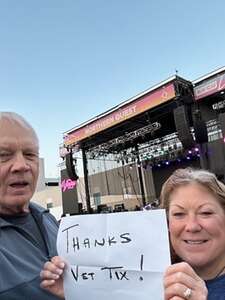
[2, 147]
[8, 146]
[6, 143]
[32, 149]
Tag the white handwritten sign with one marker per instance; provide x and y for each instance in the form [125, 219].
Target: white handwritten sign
[118, 256]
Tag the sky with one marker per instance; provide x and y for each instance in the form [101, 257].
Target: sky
[64, 62]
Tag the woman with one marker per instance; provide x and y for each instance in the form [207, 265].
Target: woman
[195, 205]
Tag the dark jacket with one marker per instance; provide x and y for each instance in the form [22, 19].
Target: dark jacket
[21, 260]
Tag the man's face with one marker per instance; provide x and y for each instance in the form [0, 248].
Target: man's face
[19, 166]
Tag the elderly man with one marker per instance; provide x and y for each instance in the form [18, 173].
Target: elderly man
[27, 231]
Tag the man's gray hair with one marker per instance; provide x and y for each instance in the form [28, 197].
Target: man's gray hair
[16, 118]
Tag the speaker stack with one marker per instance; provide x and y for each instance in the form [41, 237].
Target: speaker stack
[70, 166]
[183, 127]
[221, 119]
[200, 128]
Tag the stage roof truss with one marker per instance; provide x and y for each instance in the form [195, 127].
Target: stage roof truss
[134, 117]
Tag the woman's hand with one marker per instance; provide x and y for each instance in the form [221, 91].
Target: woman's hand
[51, 276]
[181, 283]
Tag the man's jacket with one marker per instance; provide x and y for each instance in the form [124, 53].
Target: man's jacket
[21, 260]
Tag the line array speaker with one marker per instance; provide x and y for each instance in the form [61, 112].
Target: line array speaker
[200, 128]
[221, 119]
[70, 166]
[201, 133]
[183, 127]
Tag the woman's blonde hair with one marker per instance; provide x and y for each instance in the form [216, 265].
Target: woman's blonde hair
[187, 176]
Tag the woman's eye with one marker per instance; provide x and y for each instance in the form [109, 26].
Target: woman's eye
[206, 213]
[178, 214]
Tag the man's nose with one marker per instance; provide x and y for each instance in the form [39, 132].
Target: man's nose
[192, 224]
[20, 163]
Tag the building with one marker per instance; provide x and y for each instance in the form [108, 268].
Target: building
[48, 192]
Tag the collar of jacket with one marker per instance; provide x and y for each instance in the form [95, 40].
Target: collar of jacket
[36, 210]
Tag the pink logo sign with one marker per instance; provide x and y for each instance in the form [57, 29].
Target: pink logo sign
[68, 184]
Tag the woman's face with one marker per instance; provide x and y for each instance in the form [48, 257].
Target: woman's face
[197, 227]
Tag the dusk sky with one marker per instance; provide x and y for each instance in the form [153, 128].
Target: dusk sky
[64, 62]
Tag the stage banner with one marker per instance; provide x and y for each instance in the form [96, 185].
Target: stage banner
[125, 112]
[209, 87]
[114, 256]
